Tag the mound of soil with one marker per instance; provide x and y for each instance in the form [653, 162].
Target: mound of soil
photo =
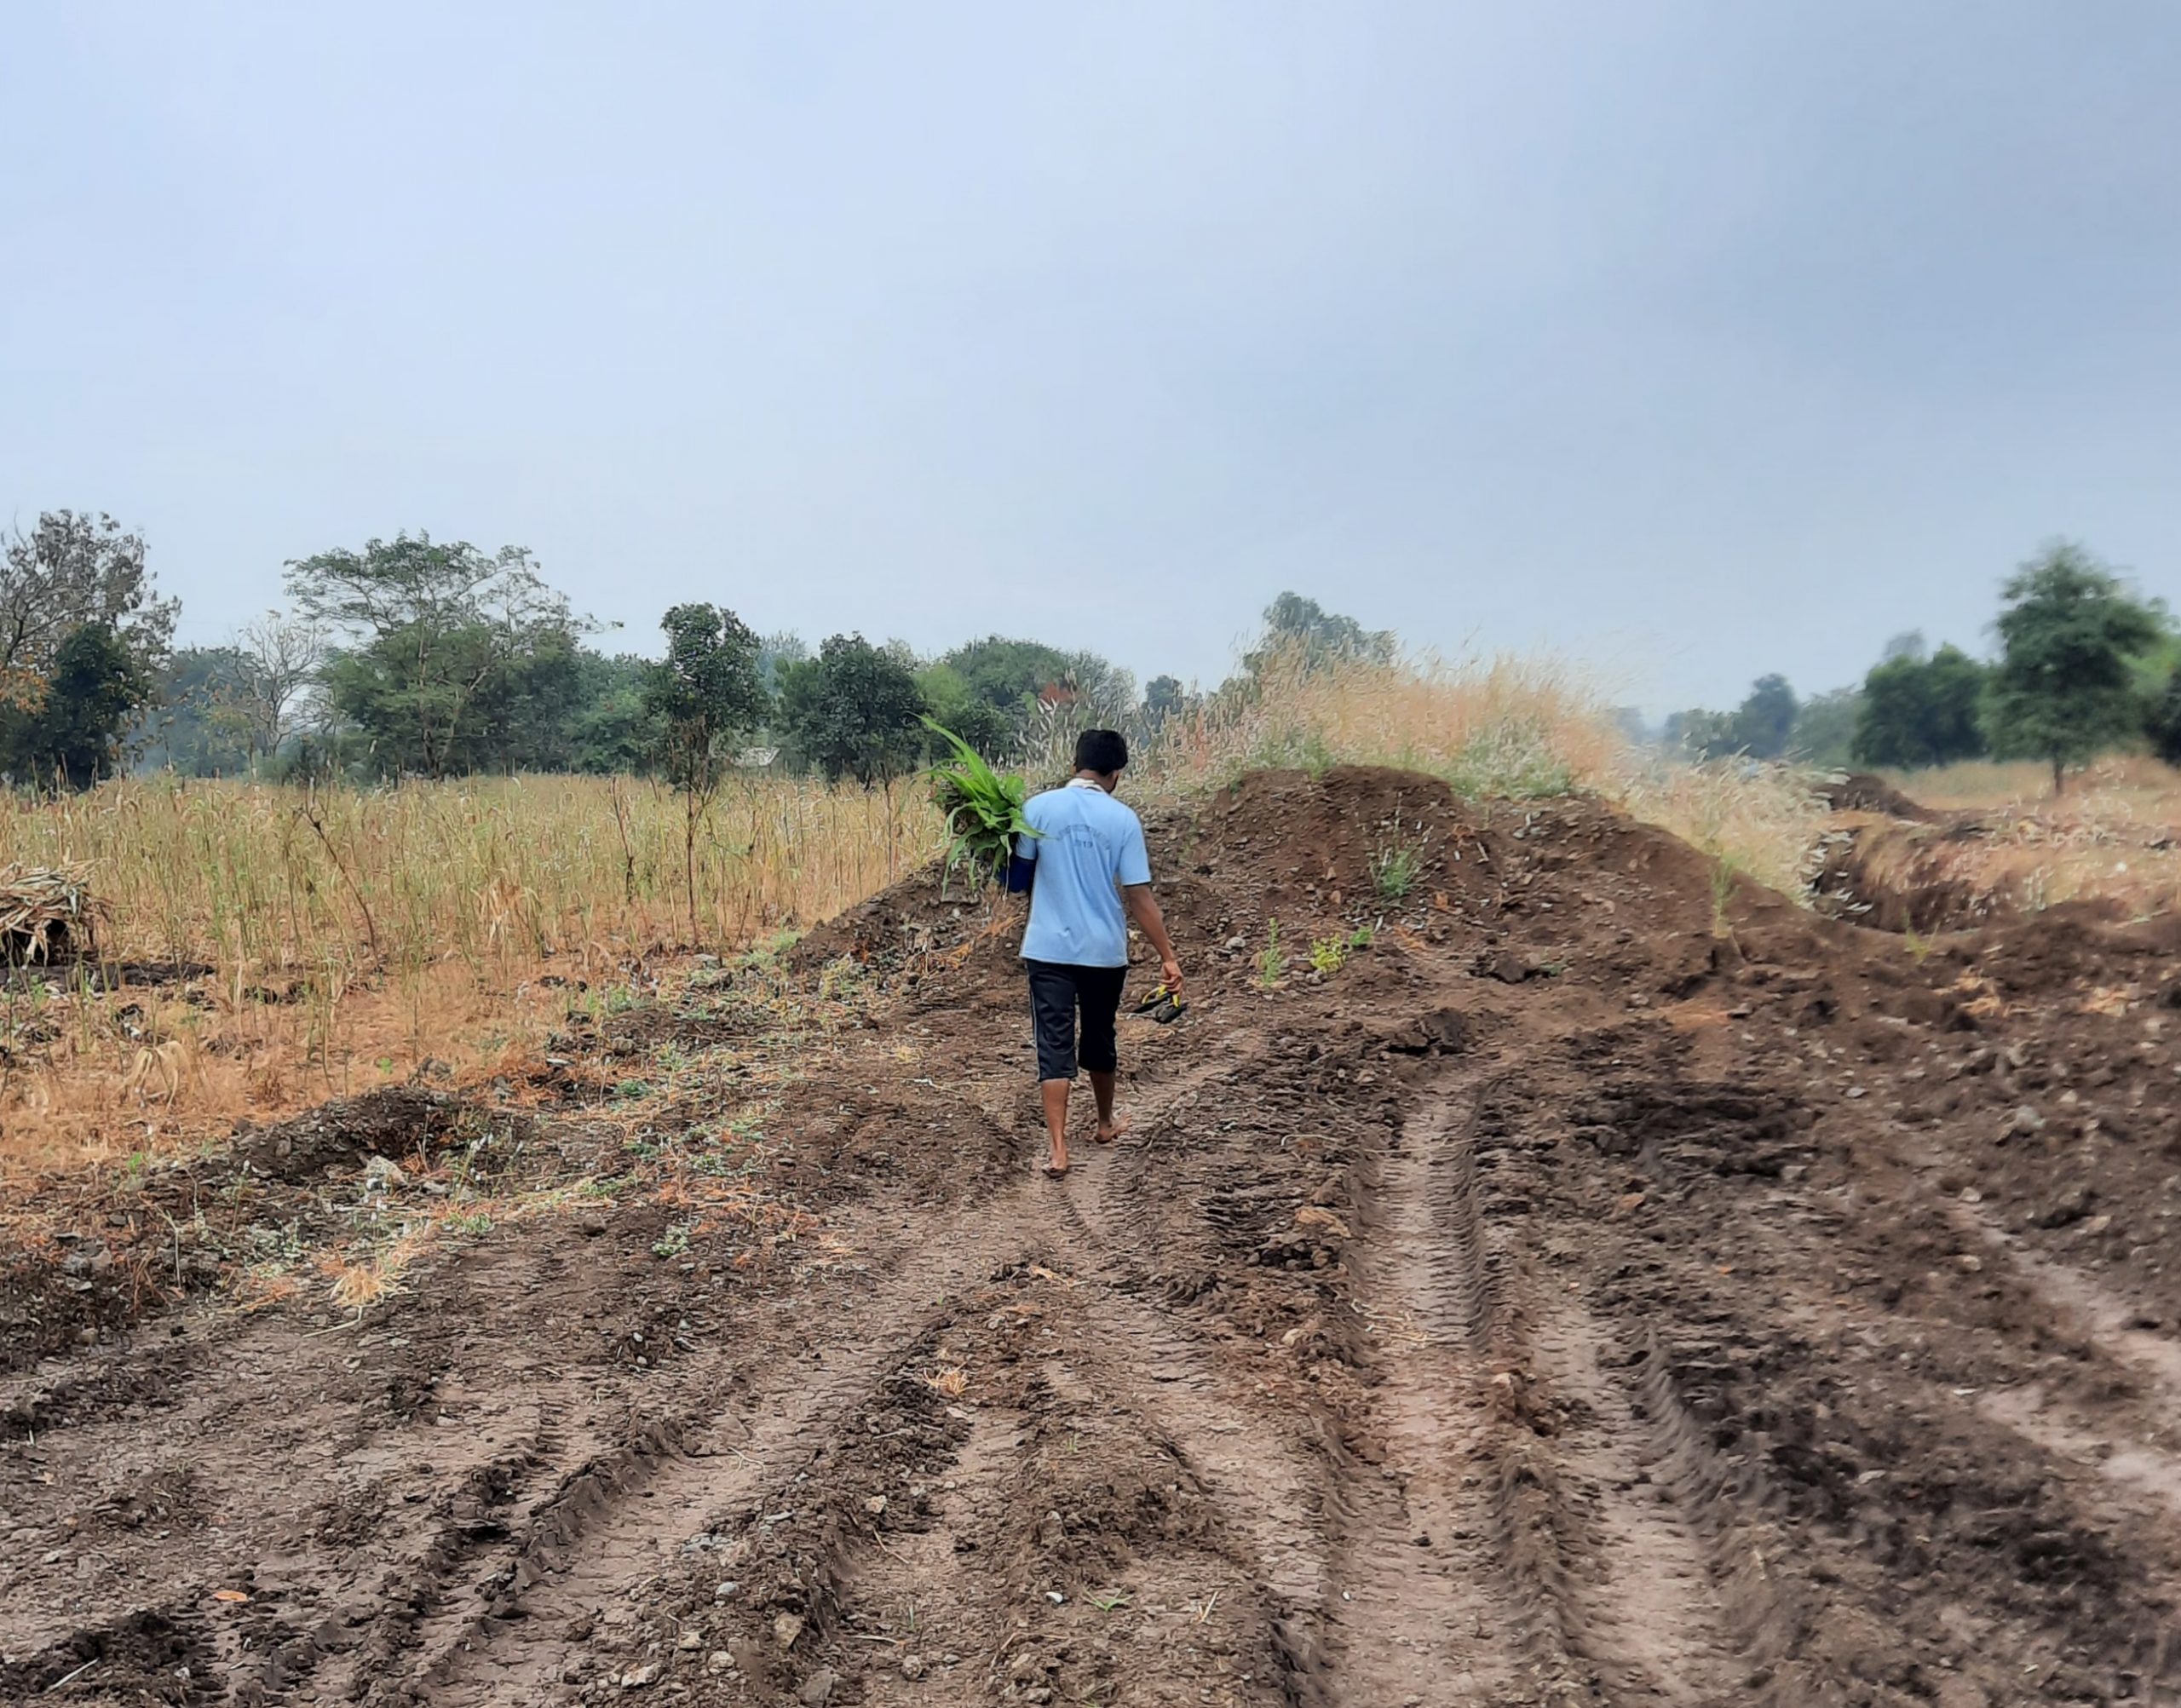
[1523, 1280]
[393, 1122]
[1862, 791]
[176, 1231]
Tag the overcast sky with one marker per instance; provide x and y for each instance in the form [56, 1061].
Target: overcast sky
[1694, 340]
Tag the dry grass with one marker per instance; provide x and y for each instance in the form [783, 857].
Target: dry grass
[2138, 787]
[2115, 834]
[44, 913]
[282, 947]
[1501, 728]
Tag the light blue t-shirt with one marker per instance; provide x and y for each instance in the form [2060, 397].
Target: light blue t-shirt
[1087, 843]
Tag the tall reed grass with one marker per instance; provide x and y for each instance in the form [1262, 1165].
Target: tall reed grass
[280, 944]
[261, 879]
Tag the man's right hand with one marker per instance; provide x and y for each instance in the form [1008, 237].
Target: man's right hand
[1170, 975]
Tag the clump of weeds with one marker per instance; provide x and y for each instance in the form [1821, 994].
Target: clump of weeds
[1395, 869]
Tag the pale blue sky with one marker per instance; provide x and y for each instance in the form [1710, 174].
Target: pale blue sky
[1695, 339]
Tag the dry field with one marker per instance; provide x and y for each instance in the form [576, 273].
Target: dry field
[261, 949]
[1991, 841]
[1541, 1269]
[1549, 1264]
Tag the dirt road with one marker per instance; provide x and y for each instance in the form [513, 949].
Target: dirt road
[1607, 1284]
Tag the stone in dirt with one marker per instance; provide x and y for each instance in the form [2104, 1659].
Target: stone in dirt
[2024, 1120]
[2071, 1206]
[786, 1627]
[1507, 967]
[818, 1689]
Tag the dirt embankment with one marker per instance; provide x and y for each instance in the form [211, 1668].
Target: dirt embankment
[1566, 1290]
[1889, 863]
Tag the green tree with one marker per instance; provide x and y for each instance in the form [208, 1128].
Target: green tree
[1700, 733]
[74, 572]
[74, 736]
[1300, 626]
[1765, 720]
[1009, 676]
[2162, 722]
[1163, 697]
[953, 704]
[432, 632]
[706, 694]
[2064, 689]
[1825, 727]
[1919, 711]
[199, 724]
[854, 711]
[782, 647]
[615, 728]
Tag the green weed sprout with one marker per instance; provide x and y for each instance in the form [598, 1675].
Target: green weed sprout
[1393, 871]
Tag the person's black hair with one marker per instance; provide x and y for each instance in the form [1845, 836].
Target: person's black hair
[1103, 751]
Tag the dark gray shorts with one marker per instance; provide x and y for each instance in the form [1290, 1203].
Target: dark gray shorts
[1060, 994]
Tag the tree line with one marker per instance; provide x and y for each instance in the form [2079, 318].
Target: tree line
[2083, 665]
[415, 657]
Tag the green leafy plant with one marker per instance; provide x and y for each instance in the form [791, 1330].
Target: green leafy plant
[1272, 964]
[673, 1242]
[1328, 954]
[983, 810]
[1394, 870]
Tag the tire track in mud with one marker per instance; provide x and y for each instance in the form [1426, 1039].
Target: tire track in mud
[1817, 1609]
[2137, 1466]
[619, 1518]
[1270, 1496]
[1425, 1615]
[913, 1595]
[304, 1462]
[1511, 1426]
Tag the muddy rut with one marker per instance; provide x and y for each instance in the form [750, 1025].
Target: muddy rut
[1561, 1288]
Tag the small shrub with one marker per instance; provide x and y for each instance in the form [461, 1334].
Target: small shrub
[1395, 870]
[1272, 964]
[1328, 954]
[673, 1242]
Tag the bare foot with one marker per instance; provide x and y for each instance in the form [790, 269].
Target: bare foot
[1056, 1171]
[1110, 1130]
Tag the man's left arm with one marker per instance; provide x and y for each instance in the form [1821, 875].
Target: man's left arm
[1143, 908]
[1135, 875]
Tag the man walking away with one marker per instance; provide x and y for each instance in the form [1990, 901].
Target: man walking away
[1089, 874]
